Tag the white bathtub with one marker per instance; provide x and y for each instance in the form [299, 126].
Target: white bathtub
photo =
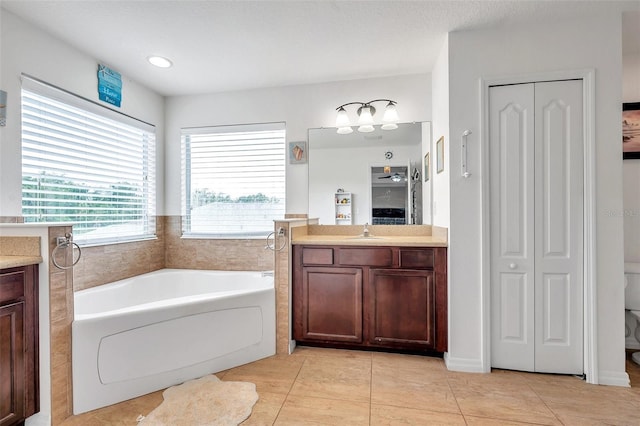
[146, 333]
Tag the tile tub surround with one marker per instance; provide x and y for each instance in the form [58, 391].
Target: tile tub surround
[331, 386]
[247, 254]
[60, 318]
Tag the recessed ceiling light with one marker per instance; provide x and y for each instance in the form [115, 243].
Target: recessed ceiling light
[159, 61]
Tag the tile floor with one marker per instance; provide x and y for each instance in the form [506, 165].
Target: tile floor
[338, 387]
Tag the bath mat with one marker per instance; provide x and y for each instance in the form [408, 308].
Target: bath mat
[207, 401]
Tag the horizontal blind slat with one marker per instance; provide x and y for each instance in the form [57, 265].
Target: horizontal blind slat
[235, 179]
[93, 171]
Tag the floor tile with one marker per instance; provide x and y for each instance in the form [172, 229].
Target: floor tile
[329, 352]
[411, 383]
[389, 415]
[602, 403]
[504, 398]
[266, 409]
[347, 379]
[484, 421]
[86, 419]
[418, 362]
[331, 386]
[305, 410]
[275, 374]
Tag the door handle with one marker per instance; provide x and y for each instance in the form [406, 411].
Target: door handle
[512, 266]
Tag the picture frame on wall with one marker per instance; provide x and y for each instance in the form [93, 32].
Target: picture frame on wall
[631, 130]
[3, 108]
[440, 155]
[297, 152]
[427, 166]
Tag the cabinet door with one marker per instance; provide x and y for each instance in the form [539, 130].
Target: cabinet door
[331, 305]
[402, 308]
[12, 373]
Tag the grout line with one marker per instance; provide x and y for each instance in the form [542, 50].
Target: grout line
[455, 398]
[289, 391]
[371, 389]
[545, 403]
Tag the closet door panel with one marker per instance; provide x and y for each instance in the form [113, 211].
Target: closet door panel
[558, 224]
[512, 196]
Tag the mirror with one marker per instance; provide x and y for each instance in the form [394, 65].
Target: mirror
[370, 178]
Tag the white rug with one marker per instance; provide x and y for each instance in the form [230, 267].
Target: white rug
[206, 401]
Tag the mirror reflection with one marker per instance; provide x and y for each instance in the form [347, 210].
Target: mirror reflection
[363, 178]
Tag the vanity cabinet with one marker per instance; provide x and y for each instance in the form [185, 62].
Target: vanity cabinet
[19, 379]
[370, 297]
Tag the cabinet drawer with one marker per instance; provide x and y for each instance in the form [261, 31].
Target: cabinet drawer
[422, 259]
[317, 256]
[11, 286]
[365, 256]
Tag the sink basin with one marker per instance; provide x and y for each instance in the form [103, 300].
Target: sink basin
[362, 237]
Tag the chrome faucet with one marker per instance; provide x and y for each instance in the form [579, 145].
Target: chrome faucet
[365, 231]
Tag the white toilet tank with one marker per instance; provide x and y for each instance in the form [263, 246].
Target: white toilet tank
[632, 286]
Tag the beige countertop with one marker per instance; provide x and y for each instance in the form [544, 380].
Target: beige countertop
[15, 261]
[380, 235]
[19, 251]
[374, 241]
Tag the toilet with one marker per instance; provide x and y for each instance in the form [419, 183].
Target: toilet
[632, 305]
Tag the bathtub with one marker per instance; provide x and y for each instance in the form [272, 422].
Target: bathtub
[152, 331]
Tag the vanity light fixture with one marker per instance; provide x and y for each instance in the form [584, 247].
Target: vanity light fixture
[160, 61]
[365, 112]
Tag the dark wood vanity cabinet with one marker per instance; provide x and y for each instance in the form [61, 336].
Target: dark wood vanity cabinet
[19, 380]
[376, 297]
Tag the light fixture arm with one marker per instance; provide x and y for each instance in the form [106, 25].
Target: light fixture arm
[363, 104]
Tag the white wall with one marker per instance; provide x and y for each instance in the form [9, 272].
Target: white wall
[631, 186]
[300, 107]
[26, 49]
[440, 102]
[631, 168]
[569, 45]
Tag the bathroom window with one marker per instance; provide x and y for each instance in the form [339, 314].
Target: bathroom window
[86, 165]
[233, 180]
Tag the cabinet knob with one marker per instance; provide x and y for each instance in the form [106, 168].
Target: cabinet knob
[512, 266]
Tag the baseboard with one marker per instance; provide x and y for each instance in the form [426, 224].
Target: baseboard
[614, 378]
[466, 365]
[292, 346]
[39, 419]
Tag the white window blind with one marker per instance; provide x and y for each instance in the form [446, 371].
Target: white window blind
[233, 180]
[86, 165]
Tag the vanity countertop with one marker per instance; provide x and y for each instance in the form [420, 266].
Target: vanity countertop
[19, 251]
[16, 261]
[387, 240]
[379, 235]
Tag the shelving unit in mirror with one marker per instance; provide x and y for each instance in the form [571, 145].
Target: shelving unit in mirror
[343, 208]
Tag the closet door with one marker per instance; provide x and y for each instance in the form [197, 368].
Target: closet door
[536, 167]
[558, 227]
[511, 130]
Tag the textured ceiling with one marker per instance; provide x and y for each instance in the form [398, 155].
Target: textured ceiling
[234, 45]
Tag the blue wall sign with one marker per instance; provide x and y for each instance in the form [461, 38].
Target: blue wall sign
[109, 85]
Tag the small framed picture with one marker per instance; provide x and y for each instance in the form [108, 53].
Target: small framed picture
[440, 155]
[631, 130]
[3, 108]
[297, 152]
[427, 166]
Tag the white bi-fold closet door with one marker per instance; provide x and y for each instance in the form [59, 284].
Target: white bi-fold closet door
[536, 171]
